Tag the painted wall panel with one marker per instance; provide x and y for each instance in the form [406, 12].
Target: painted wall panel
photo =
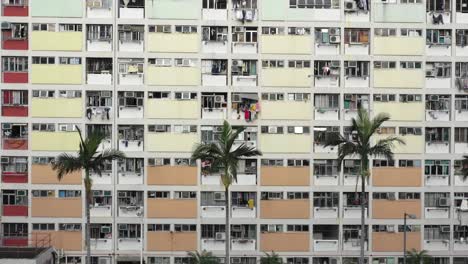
[287, 77]
[56, 74]
[285, 143]
[399, 13]
[401, 111]
[55, 141]
[173, 76]
[399, 46]
[173, 42]
[57, 8]
[286, 110]
[173, 109]
[286, 44]
[56, 41]
[279, 10]
[57, 107]
[170, 9]
[171, 142]
[399, 78]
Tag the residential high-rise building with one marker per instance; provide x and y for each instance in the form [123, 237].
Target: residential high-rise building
[158, 76]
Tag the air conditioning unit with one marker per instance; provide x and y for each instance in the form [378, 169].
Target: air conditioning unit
[219, 196]
[218, 129]
[334, 31]
[335, 39]
[105, 229]
[431, 73]
[129, 94]
[6, 126]
[271, 228]
[123, 227]
[5, 160]
[106, 94]
[236, 228]
[236, 98]
[220, 236]
[335, 64]
[350, 5]
[348, 96]
[445, 229]
[21, 192]
[239, 29]
[434, 98]
[352, 64]
[160, 128]
[219, 98]
[236, 260]
[122, 194]
[391, 196]
[237, 62]
[6, 25]
[185, 96]
[444, 202]
[272, 130]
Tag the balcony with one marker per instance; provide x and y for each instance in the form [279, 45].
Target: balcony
[56, 207]
[57, 107]
[399, 78]
[54, 141]
[285, 241]
[286, 77]
[243, 178]
[173, 42]
[130, 171]
[131, 38]
[131, 72]
[170, 142]
[244, 73]
[285, 209]
[15, 103]
[394, 209]
[436, 212]
[172, 75]
[411, 111]
[15, 36]
[172, 109]
[44, 174]
[286, 110]
[172, 175]
[397, 177]
[393, 242]
[172, 208]
[15, 9]
[243, 245]
[57, 41]
[286, 44]
[213, 244]
[14, 210]
[14, 169]
[98, 8]
[321, 113]
[285, 176]
[15, 136]
[171, 241]
[129, 244]
[219, 13]
[60, 240]
[214, 40]
[56, 74]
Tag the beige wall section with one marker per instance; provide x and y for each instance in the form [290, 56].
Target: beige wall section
[283, 242]
[397, 177]
[401, 111]
[172, 175]
[56, 207]
[173, 75]
[170, 142]
[399, 78]
[55, 141]
[285, 176]
[66, 240]
[393, 242]
[285, 209]
[285, 143]
[388, 209]
[287, 77]
[44, 174]
[414, 144]
[173, 42]
[286, 110]
[171, 241]
[57, 107]
[172, 109]
[286, 44]
[414, 46]
[170, 208]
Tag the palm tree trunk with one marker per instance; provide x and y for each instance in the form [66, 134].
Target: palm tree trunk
[364, 176]
[228, 209]
[88, 217]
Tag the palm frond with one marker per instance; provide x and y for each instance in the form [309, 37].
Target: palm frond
[66, 164]
[384, 147]
[244, 151]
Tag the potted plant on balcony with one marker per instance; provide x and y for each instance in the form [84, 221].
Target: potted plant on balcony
[204, 257]
[223, 156]
[361, 145]
[418, 257]
[90, 160]
[272, 258]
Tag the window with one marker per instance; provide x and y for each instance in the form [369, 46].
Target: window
[185, 129]
[409, 163]
[43, 60]
[271, 228]
[356, 36]
[131, 33]
[384, 97]
[43, 193]
[244, 34]
[384, 65]
[14, 98]
[99, 32]
[43, 227]
[272, 129]
[131, 99]
[298, 31]
[358, 69]
[409, 32]
[410, 131]
[325, 168]
[159, 194]
[326, 101]
[217, 34]
[438, 5]
[185, 95]
[324, 69]
[43, 27]
[271, 195]
[436, 167]
[297, 195]
[298, 130]
[438, 37]
[42, 160]
[159, 227]
[410, 1]
[186, 29]
[272, 96]
[383, 196]
[326, 199]
[298, 64]
[319, 4]
[272, 162]
[185, 62]
[210, 231]
[461, 103]
[69, 227]
[351, 167]
[298, 163]
[160, 29]
[409, 196]
[129, 231]
[409, 228]
[437, 134]
[328, 36]
[185, 195]
[436, 232]
[71, 61]
[15, 64]
[383, 163]
[160, 62]
[15, 197]
[272, 64]
[159, 161]
[159, 95]
[385, 32]
[410, 65]
[323, 134]
[272, 31]
[159, 260]
[43, 127]
[70, 27]
[69, 194]
[461, 35]
[438, 70]
[297, 260]
[214, 4]
[461, 135]
[185, 228]
[297, 228]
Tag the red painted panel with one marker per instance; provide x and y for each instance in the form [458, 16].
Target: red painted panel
[15, 242]
[14, 111]
[15, 143]
[15, 44]
[15, 210]
[15, 77]
[15, 11]
[12, 177]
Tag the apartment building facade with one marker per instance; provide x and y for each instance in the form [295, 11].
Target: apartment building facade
[158, 76]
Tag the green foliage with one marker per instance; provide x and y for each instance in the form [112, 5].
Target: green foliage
[271, 258]
[203, 257]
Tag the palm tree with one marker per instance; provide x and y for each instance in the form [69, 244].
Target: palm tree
[90, 160]
[204, 257]
[272, 258]
[361, 146]
[415, 257]
[224, 157]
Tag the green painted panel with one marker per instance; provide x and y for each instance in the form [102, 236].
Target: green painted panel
[57, 8]
[174, 9]
[400, 13]
[274, 9]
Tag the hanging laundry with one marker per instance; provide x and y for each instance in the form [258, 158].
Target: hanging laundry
[249, 15]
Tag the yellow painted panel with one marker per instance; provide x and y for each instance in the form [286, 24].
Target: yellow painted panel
[55, 141]
[287, 77]
[173, 75]
[56, 74]
[286, 44]
[57, 107]
[174, 109]
[399, 45]
[286, 110]
[401, 111]
[285, 143]
[173, 42]
[399, 78]
[57, 41]
[171, 142]
[414, 144]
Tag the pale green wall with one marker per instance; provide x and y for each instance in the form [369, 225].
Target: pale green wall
[57, 8]
[174, 9]
[407, 13]
[274, 10]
